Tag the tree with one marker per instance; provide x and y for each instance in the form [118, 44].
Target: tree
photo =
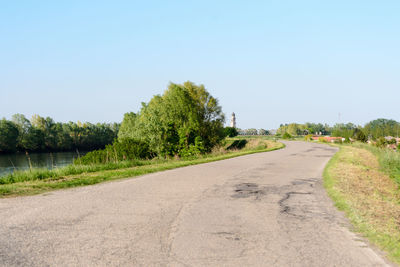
[171, 123]
[128, 126]
[359, 135]
[231, 131]
[263, 132]
[8, 136]
[382, 127]
[43, 134]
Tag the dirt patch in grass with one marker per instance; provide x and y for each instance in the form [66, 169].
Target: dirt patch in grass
[370, 198]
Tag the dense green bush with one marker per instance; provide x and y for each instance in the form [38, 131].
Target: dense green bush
[381, 142]
[308, 137]
[359, 135]
[171, 123]
[193, 150]
[120, 150]
[231, 131]
[287, 136]
[322, 140]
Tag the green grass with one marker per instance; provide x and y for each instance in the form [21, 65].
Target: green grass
[42, 180]
[389, 160]
[357, 179]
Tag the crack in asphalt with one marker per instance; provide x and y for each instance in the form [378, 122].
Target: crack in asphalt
[286, 208]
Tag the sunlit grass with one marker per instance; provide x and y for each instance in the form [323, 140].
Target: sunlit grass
[358, 180]
[42, 180]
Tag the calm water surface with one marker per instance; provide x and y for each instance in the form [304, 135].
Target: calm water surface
[9, 163]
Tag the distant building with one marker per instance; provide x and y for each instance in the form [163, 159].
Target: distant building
[233, 120]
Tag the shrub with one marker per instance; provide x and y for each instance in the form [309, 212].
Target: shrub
[308, 137]
[124, 149]
[391, 141]
[322, 140]
[359, 135]
[286, 136]
[231, 131]
[381, 142]
[193, 150]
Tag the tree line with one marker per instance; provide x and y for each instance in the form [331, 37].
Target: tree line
[372, 130]
[41, 134]
[253, 131]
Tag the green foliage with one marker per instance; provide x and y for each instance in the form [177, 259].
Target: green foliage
[42, 180]
[127, 126]
[120, 150]
[382, 127]
[287, 136]
[304, 129]
[43, 134]
[193, 150]
[231, 131]
[359, 135]
[381, 142]
[308, 137]
[237, 144]
[322, 140]
[8, 136]
[344, 130]
[171, 123]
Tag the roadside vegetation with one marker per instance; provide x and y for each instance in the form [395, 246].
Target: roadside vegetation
[43, 180]
[364, 182]
[181, 127]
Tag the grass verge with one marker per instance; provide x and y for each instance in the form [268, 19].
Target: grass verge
[39, 181]
[370, 197]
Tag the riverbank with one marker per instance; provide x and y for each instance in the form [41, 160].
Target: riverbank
[363, 182]
[39, 181]
[10, 163]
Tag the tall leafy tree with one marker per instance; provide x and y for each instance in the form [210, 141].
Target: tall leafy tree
[185, 118]
[8, 136]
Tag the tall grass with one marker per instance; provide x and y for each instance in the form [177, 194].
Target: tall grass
[42, 180]
[389, 160]
[42, 173]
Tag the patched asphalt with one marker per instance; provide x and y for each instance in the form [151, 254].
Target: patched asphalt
[265, 209]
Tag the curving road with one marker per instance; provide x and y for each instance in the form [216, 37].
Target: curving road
[266, 209]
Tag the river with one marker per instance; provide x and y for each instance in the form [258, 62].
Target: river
[19, 161]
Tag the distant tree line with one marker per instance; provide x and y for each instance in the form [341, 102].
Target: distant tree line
[372, 130]
[253, 131]
[43, 134]
[304, 129]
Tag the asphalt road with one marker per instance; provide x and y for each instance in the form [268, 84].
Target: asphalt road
[266, 209]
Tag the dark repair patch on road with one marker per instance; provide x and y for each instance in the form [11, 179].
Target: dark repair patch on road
[245, 190]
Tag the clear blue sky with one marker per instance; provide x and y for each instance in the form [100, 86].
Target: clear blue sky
[270, 62]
